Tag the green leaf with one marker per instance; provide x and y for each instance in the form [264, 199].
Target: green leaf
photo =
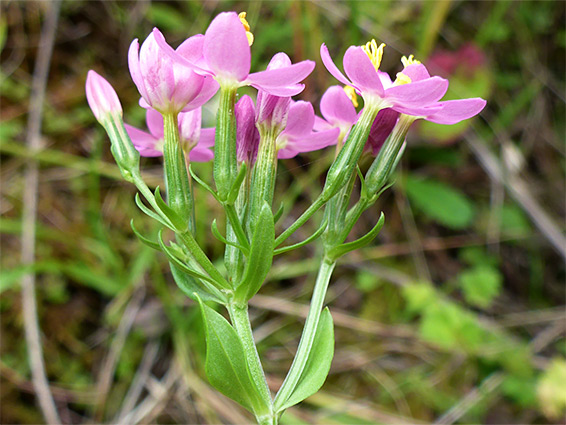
[337, 251]
[318, 364]
[143, 239]
[481, 284]
[169, 212]
[225, 364]
[189, 285]
[308, 240]
[440, 202]
[235, 189]
[150, 213]
[261, 256]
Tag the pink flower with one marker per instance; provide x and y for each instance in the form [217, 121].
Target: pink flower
[376, 87]
[444, 112]
[247, 134]
[337, 110]
[380, 130]
[101, 96]
[224, 52]
[164, 84]
[195, 141]
[272, 110]
[299, 136]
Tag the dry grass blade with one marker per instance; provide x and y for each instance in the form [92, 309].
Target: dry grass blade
[33, 142]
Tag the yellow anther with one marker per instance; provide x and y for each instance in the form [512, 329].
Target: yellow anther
[374, 53]
[402, 79]
[406, 61]
[246, 25]
[351, 93]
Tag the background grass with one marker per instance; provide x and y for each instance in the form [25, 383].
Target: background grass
[455, 314]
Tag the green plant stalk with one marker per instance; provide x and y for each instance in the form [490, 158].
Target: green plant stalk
[263, 175]
[241, 322]
[341, 169]
[305, 345]
[225, 166]
[179, 195]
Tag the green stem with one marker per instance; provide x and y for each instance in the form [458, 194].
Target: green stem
[225, 166]
[179, 194]
[309, 332]
[241, 322]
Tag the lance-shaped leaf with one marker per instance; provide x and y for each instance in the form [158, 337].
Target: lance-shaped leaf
[203, 184]
[206, 286]
[152, 214]
[225, 365]
[279, 213]
[221, 238]
[308, 240]
[189, 285]
[261, 256]
[337, 251]
[318, 364]
[143, 239]
[169, 212]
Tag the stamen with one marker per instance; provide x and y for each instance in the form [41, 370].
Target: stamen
[409, 61]
[351, 93]
[246, 25]
[374, 53]
[402, 79]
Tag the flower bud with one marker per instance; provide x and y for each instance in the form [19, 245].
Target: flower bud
[247, 134]
[101, 97]
[380, 130]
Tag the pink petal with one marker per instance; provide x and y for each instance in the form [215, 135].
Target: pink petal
[101, 97]
[145, 143]
[134, 65]
[416, 72]
[189, 126]
[174, 55]
[286, 76]
[308, 143]
[199, 154]
[206, 137]
[208, 89]
[188, 86]
[331, 67]
[360, 70]
[418, 111]
[385, 79]
[226, 47]
[321, 124]
[281, 91]
[157, 72]
[336, 106]
[419, 93]
[154, 121]
[300, 120]
[454, 111]
[192, 50]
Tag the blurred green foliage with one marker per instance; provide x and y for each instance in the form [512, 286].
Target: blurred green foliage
[461, 297]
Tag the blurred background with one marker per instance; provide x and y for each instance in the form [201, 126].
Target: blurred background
[455, 314]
